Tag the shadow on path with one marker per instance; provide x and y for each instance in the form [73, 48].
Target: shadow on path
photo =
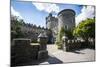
[77, 52]
[49, 60]
[53, 60]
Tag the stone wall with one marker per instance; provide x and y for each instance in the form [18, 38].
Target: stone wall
[22, 52]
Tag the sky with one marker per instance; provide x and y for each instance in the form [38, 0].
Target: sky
[36, 12]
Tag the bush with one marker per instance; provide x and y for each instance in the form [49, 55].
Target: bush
[61, 33]
[59, 44]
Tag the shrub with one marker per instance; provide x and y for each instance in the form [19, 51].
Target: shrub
[61, 33]
[59, 44]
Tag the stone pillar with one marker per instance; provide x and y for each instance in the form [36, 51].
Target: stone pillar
[73, 44]
[42, 40]
[64, 39]
[68, 45]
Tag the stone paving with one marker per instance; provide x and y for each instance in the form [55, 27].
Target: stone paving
[59, 56]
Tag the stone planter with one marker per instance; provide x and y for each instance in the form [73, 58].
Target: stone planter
[42, 40]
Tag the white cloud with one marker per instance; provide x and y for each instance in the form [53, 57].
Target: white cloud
[86, 12]
[15, 13]
[47, 7]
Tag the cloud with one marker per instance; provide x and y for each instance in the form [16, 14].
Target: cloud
[15, 13]
[47, 7]
[86, 12]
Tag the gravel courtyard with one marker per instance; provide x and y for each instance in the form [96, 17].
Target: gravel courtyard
[59, 56]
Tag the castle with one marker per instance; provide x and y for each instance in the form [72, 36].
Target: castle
[65, 18]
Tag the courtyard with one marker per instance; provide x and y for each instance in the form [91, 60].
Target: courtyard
[59, 56]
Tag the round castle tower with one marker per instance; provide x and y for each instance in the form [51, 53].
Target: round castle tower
[66, 19]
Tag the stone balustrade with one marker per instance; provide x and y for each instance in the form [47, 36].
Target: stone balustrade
[71, 44]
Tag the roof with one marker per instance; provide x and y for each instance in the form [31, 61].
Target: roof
[65, 10]
[42, 35]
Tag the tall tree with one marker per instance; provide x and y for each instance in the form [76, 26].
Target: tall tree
[85, 29]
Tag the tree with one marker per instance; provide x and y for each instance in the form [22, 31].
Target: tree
[85, 29]
[59, 38]
[16, 25]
